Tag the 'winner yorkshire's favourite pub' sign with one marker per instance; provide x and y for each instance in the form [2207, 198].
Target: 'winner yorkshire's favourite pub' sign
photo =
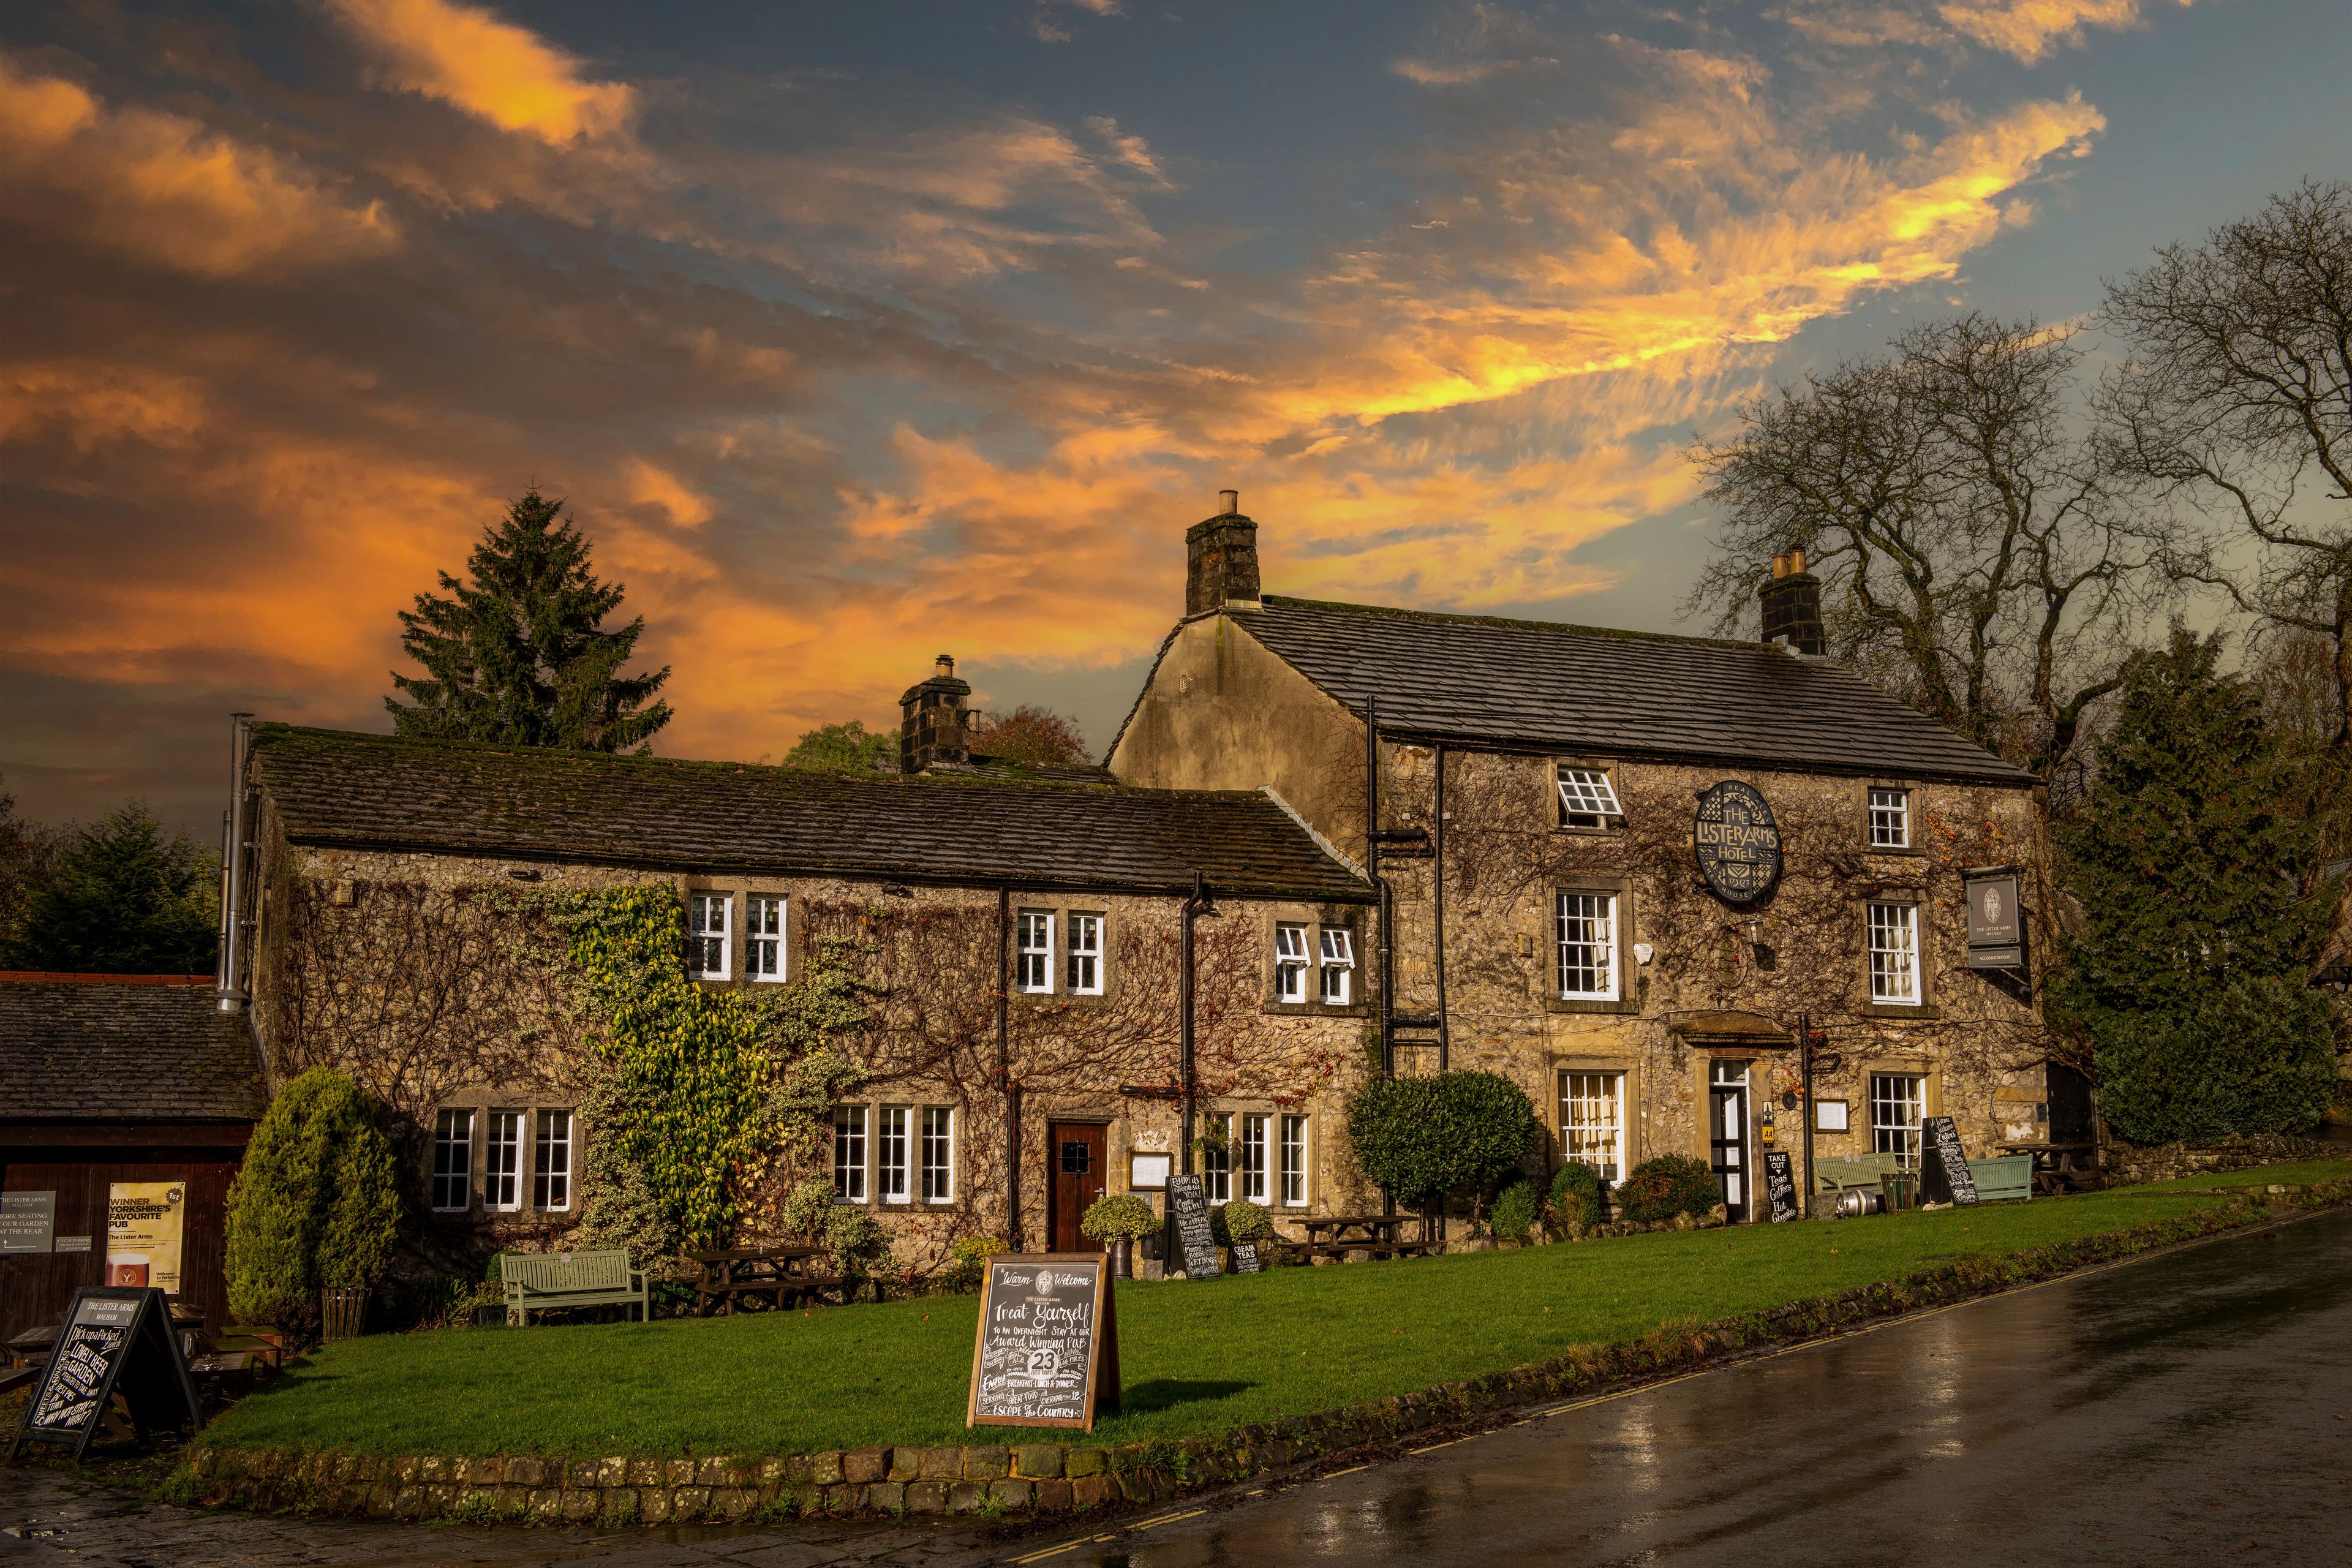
[1738, 842]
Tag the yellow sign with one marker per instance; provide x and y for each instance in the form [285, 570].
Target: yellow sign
[142, 1232]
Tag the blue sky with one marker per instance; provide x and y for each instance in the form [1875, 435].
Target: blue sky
[855, 334]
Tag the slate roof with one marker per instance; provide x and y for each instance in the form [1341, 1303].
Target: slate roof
[124, 1048]
[1611, 693]
[335, 788]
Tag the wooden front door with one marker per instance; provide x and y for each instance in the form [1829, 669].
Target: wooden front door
[1074, 1152]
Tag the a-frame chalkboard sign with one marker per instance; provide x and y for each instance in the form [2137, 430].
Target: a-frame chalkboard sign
[116, 1339]
[1944, 1174]
[1046, 1350]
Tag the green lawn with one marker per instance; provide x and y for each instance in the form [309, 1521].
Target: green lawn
[1197, 1357]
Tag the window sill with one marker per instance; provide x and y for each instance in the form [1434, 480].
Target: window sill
[1588, 1005]
[1898, 1010]
[1574, 831]
[1320, 1009]
[1912, 854]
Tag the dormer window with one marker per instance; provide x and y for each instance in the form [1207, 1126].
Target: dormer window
[1587, 799]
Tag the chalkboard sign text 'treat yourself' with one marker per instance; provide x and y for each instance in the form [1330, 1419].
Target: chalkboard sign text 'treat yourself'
[1046, 1352]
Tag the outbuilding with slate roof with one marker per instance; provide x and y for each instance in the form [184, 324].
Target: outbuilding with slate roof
[118, 1092]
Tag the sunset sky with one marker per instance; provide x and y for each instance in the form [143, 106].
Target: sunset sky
[858, 333]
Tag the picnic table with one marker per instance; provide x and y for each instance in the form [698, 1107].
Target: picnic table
[784, 1276]
[2059, 1167]
[1379, 1235]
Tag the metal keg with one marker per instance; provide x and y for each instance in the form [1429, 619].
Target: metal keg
[1856, 1202]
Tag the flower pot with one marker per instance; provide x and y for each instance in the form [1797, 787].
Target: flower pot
[342, 1311]
[1122, 1257]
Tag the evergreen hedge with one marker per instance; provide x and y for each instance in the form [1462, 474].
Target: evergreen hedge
[1576, 1194]
[1668, 1185]
[1422, 1138]
[316, 1203]
[1517, 1206]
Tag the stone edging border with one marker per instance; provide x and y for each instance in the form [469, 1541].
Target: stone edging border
[996, 1481]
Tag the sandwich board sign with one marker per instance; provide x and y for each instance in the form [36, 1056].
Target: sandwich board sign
[116, 1339]
[1944, 1174]
[1196, 1239]
[1046, 1350]
[1780, 1185]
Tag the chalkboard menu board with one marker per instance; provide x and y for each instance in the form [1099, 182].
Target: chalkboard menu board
[1196, 1244]
[116, 1339]
[1780, 1185]
[1046, 1350]
[1944, 1175]
[1245, 1258]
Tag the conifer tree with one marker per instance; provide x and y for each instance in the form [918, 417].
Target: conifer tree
[519, 655]
[2190, 976]
[121, 898]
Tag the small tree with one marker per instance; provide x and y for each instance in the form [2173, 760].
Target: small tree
[1038, 736]
[317, 1202]
[519, 654]
[844, 749]
[1422, 1138]
[122, 899]
[2189, 977]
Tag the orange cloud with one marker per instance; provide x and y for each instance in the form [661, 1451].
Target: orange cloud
[166, 189]
[466, 56]
[649, 486]
[2034, 30]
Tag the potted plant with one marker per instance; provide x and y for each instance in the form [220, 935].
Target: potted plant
[1118, 1220]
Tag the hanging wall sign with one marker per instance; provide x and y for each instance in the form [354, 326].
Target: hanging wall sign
[1046, 1352]
[114, 1341]
[1996, 932]
[1737, 842]
[28, 1221]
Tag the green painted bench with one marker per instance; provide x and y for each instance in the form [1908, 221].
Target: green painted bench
[1836, 1172]
[540, 1281]
[2003, 1177]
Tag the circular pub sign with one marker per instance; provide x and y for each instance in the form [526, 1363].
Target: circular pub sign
[1738, 842]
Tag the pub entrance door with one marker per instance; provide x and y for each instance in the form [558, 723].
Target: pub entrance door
[1726, 1103]
[1076, 1156]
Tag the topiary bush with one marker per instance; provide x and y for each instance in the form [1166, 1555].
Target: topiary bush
[1422, 1138]
[1576, 1194]
[316, 1203]
[1119, 1213]
[1240, 1220]
[967, 1265]
[1517, 1206]
[1668, 1185]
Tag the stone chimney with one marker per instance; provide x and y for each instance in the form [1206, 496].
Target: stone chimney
[1792, 606]
[1221, 560]
[931, 721]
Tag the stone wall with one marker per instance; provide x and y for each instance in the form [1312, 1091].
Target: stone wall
[2128, 1166]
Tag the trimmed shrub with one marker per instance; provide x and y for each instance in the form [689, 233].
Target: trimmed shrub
[317, 1202]
[1576, 1194]
[1668, 1185]
[1119, 1213]
[1240, 1220]
[1516, 1208]
[856, 1239]
[1422, 1138]
[967, 1265]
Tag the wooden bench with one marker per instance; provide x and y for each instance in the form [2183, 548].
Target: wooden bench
[540, 1281]
[1841, 1173]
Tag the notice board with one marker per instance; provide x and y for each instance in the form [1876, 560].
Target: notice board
[1944, 1175]
[28, 1221]
[1196, 1243]
[1780, 1185]
[1046, 1352]
[114, 1341]
[144, 1221]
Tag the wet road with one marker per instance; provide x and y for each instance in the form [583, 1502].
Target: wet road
[2195, 1408]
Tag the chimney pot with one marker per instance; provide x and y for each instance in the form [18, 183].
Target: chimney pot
[1229, 503]
[1796, 560]
[1779, 566]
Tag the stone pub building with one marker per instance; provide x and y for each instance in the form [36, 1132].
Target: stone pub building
[1330, 840]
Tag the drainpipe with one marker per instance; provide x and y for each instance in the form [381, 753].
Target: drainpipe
[1437, 889]
[232, 997]
[1805, 1069]
[1195, 906]
[1372, 870]
[1012, 1236]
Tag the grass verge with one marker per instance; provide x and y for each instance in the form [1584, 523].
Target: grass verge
[1198, 1357]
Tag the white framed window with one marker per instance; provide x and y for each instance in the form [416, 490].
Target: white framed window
[1086, 974]
[1252, 1160]
[1339, 966]
[938, 1155]
[1897, 1100]
[890, 1154]
[1289, 962]
[763, 938]
[1895, 954]
[1033, 968]
[708, 948]
[1592, 1121]
[1217, 1161]
[1890, 819]
[550, 1181]
[453, 1161]
[1588, 947]
[1294, 1161]
[502, 1161]
[849, 1153]
[1587, 799]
